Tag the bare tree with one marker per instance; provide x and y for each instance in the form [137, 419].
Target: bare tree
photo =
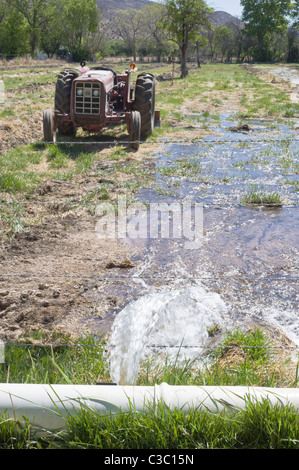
[129, 26]
[152, 18]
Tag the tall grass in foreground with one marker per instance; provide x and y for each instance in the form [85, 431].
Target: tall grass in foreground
[241, 358]
[258, 426]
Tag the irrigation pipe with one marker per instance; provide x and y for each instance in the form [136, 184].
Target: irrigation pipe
[46, 406]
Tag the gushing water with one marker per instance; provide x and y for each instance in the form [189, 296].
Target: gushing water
[249, 255]
[176, 320]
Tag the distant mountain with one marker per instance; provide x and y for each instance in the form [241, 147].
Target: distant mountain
[109, 7]
[221, 18]
[106, 5]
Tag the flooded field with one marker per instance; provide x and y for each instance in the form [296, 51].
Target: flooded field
[241, 171]
[246, 270]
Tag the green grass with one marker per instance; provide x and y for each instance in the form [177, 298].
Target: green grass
[215, 84]
[19, 158]
[66, 362]
[294, 183]
[255, 344]
[12, 217]
[257, 425]
[13, 183]
[241, 358]
[6, 113]
[56, 157]
[24, 79]
[22, 169]
[183, 168]
[262, 198]
[17, 170]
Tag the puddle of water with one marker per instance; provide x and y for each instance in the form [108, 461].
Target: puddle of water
[246, 268]
[240, 273]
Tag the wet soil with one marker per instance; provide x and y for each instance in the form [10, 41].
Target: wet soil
[249, 253]
[48, 270]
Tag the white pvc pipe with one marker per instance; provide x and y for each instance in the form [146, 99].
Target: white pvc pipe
[46, 406]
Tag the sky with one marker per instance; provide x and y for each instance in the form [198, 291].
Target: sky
[230, 6]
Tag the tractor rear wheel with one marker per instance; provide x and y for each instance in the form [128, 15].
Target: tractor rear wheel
[63, 100]
[145, 102]
[135, 129]
[48, 125]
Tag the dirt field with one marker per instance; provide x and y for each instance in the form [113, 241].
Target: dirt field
[50, 270]
[55, 273]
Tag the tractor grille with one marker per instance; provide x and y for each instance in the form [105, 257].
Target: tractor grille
[87, 98]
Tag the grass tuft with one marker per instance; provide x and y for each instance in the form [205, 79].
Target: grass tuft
[262, 199]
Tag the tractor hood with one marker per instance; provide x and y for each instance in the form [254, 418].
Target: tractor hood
[106, 77]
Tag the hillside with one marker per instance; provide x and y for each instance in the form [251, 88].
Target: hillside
[221, 18]
[108, 7]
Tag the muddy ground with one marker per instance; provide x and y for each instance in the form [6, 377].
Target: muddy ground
[57, 273]
[50, 270]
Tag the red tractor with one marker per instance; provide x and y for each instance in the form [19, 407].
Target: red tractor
[93, 98]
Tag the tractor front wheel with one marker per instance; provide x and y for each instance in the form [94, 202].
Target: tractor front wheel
[48, 126]
[135, 130]
[63, 100]
[145, 102]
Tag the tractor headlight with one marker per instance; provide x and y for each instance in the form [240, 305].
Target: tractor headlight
[96, 93]
[79, 91]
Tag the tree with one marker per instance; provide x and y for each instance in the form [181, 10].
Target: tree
[129, 26]
[36, 13]
[152, 19]
[3, 11]
[239, 38]
[199, 43]
[263, 19]
[13, 34]
[80, 19]
[52, 33]
[224, 41]
[210, 35]
[295, 14]
[183, 21]
[292, 45]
